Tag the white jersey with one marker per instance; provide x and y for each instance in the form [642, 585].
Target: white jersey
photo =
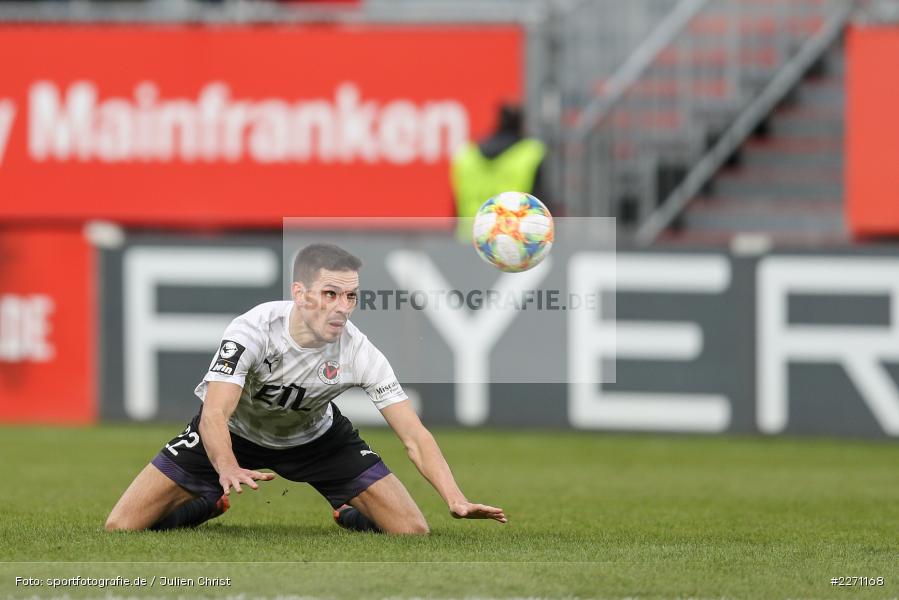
[288, 389]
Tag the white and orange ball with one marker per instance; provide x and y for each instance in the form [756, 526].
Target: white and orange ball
[513, 231]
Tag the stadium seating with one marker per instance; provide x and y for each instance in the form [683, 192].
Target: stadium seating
[647, 134]
[787, 180]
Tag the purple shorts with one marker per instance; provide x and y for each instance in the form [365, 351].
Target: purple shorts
[339, 464]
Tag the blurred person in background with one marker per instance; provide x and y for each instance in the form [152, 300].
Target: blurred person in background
[506, 160]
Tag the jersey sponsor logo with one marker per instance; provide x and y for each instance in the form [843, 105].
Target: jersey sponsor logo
[227, 358]
[329, 372]
[289, 397]
[223, 367]
[367, 452]
[386, 390]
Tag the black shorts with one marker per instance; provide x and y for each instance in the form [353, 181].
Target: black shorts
[339, 464]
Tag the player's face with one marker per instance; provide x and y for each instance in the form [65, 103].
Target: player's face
[326, 305]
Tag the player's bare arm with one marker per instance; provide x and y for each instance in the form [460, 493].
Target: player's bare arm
[221, 400]
[425, 454]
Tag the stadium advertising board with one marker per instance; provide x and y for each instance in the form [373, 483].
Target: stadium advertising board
[340, 121]
[706, 342]
[47, 328]
[872, 130]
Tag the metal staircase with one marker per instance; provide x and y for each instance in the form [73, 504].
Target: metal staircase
[685, 100]
[787, 180]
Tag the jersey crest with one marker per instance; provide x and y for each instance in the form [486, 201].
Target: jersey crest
[329, 372]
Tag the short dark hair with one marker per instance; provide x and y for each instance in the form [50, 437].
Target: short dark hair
[314, 257]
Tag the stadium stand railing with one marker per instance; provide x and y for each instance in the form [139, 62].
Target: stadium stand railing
[686, 98]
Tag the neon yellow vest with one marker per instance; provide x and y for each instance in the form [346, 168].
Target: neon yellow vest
[476, 178]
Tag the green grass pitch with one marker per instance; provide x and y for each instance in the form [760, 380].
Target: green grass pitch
[591, 516]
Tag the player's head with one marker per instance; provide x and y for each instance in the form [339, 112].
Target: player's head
[325, 289]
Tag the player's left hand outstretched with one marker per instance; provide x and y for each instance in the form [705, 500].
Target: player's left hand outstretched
[470, 510]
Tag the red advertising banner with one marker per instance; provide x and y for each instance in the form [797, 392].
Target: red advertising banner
[243, 126]
[47, 327]
[872, 131]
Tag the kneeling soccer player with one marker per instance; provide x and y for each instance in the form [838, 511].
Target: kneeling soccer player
[267, 405]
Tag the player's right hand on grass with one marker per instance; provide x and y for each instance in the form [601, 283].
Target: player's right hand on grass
[233, 476]
[470, 510]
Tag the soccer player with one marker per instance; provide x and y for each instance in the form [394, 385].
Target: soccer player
[267, 404]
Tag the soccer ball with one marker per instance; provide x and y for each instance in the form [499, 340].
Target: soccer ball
[513, 231]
